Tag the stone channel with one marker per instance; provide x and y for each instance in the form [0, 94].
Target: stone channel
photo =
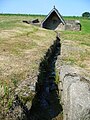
[46, 102]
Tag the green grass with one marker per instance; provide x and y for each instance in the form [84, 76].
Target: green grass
[76, 48]
[9, 21]
[82, 36]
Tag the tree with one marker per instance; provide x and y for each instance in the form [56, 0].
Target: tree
[86, 14]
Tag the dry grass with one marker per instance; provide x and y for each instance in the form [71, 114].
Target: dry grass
[76, 47]
[75, 54]
[21, 48]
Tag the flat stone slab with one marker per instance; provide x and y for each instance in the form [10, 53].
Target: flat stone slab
[75, 94]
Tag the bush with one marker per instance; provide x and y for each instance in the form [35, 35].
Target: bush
[86, 14]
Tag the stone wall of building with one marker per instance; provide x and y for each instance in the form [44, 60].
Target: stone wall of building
[60, 27]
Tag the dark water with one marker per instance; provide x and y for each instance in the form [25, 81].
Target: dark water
[46, 103]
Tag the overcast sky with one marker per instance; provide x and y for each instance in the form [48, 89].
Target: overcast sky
[65, 7]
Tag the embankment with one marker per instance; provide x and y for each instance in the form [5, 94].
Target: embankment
[43, 103]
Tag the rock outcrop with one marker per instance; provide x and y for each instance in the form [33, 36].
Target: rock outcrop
[75, 91]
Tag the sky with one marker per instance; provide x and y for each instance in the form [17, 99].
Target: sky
[65, 7]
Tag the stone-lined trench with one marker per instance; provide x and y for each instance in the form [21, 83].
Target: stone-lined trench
[46, 102]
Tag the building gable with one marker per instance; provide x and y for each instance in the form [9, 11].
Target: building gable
[53, 19]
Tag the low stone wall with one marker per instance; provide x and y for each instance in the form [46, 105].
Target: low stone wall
[73, 25]
[75, 91]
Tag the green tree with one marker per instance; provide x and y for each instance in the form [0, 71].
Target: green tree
[86, 14]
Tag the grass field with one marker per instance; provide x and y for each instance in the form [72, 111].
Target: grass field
[23, 45]
[21, 48]
[77, 45]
